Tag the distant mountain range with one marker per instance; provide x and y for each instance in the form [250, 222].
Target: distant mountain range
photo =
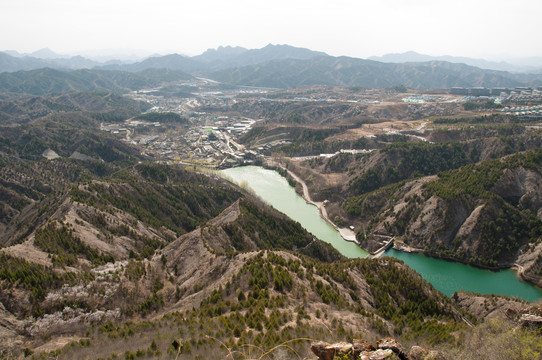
[100, 57]
[44, 53]
[212, 59]
[229, 57]
[11, 63]
[282, 66]
[221, 58]
[344, 71]
[533, 64]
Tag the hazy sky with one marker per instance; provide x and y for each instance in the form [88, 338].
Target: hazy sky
[475, 28]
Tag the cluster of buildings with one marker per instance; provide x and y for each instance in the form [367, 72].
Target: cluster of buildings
[422, 99]
[215, 146]
[525, 98]
[525, 113]
[499, 91]
[236, 126]
[209, 140]
[127, 126]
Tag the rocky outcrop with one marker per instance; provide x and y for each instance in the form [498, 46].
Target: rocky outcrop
[419, 353]
[487, 230]
[486, 307]
[489, 306]
[529, 263]
[68, 321]
[50, 154]
[522, 187]
[10, 332]
[530, 321]
[393, 345]
[326, 351]
[361, 349]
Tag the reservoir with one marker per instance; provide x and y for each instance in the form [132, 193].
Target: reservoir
[274, 189]
[445, 276]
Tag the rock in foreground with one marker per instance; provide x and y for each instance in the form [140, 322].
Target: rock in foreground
[360, 349]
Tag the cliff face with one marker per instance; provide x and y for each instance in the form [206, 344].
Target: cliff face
[521, 187]
[459, 229]
[482, 214]
[482, 231]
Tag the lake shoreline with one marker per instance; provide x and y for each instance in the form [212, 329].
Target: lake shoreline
[346, 234]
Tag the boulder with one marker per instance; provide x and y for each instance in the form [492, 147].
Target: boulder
[379, 354]
[319, 349]
[394, 346]
[326, 351]
[360, 345]
[361, 349]
[417, 353]
[530, 321]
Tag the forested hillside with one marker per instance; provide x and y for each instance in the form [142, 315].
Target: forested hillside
[50, 81]
[118, 237]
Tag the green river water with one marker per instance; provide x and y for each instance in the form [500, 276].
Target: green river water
[446, 276]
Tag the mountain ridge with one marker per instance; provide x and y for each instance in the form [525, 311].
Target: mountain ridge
[345, 71]
[284, 66]
[412, 56]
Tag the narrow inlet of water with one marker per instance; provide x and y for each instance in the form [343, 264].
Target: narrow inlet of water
[274, 189]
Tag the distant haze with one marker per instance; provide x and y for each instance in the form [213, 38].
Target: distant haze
[493, 30]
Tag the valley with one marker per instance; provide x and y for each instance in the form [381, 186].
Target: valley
[120, 236]
[325, 136]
